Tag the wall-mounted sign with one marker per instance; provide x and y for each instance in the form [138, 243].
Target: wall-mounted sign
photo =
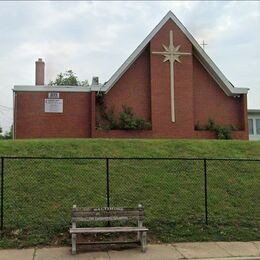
[53, 105]
[53, 95]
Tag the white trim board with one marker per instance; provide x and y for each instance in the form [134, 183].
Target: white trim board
[210, 66]
[253, 111]
[43, 88]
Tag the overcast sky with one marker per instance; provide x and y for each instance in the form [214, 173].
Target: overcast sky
[95, 38]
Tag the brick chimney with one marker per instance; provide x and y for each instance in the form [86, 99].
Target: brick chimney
[39, 72]
[95, 81]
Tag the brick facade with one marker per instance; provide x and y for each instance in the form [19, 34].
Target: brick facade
[133, 88]
[32, 122]
[145, 87]
[197, 96]
[160, 82]
[211, 101]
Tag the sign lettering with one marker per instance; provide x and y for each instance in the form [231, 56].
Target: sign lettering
[53, 106]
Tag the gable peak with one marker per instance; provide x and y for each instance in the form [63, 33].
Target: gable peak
[199, 53]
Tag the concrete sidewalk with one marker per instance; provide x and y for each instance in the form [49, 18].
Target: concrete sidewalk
[199, 250]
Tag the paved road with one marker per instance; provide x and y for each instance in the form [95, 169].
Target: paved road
[202, 251]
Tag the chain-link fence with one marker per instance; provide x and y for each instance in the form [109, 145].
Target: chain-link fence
[37, 194]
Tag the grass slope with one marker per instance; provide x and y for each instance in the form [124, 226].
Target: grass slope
[131, 147]
[39, 194]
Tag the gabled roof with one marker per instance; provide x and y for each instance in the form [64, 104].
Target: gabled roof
[199, 53]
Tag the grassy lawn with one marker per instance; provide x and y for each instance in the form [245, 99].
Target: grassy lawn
[40, 193]
[133, 147]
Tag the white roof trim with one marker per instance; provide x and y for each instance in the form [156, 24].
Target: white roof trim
[198, 51]
[43, 88]
[254, 111]
[96, 87]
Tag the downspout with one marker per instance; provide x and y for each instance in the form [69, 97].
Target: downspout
[93, 114]
[245, 115]
[14, 115]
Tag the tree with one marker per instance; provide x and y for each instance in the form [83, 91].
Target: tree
[68, 79]
[8, 134]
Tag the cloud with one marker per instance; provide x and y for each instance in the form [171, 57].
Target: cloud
[95, 38]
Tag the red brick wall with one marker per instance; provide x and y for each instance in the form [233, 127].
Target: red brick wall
[210, 101]
[133, 88]
[160, 85]
[33, 122]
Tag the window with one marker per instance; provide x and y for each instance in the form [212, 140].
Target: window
[251, 126]
[257, 121]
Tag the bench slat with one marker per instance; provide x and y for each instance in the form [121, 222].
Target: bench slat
[105, 209]
[108, 242]
[78, 219]
[106, 214]
[107, 229]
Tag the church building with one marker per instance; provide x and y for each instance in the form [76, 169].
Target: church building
[167, 88]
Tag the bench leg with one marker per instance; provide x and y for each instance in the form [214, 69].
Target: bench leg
[73, 244]
[143, 242]
[138, 236]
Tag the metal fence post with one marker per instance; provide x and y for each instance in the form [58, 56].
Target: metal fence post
[108, 191]
[2, 194]
[206, 191]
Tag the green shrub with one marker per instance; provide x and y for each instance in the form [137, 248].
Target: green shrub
[198, 126]
[100, 98]
[210, 125]
[127, 119]
[222, 132]
[110, 117]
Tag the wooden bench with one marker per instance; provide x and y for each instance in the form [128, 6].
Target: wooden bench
[108, 214]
